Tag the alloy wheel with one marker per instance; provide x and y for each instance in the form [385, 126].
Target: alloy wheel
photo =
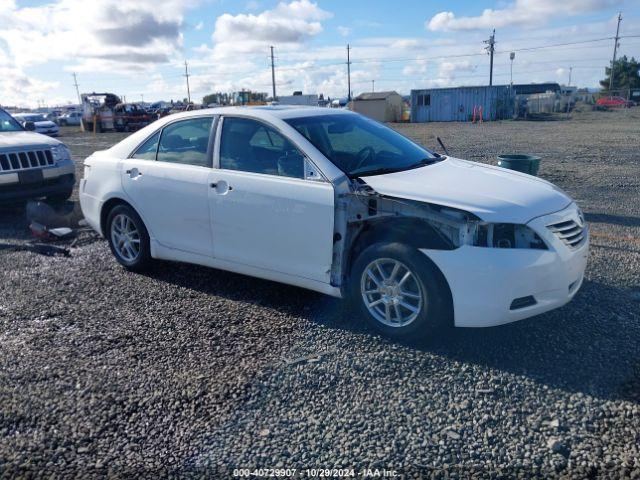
[125, 237]
[391, 292]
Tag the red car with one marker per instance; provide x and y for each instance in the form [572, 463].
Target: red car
[614, 102]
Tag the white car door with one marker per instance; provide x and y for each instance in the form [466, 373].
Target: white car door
[167, 181]
[264, 213]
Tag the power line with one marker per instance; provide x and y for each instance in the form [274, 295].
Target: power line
[553, 45]
[462, 55]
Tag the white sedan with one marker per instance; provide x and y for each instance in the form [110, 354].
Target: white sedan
[37, 123]
[334, 202]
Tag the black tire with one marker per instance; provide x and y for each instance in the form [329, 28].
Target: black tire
[60, 197]
[435, 311]
[143, 259]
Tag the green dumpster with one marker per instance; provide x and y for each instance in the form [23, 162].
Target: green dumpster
[521, 163]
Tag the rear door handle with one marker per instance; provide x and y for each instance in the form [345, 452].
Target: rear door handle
[133, 172]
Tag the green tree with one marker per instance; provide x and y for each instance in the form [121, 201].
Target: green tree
[626, 74]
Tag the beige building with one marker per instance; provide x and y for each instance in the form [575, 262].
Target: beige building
[381, 106]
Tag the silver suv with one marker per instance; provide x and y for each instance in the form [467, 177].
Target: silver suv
[32, 165]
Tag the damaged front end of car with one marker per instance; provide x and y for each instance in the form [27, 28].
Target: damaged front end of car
[364, 217]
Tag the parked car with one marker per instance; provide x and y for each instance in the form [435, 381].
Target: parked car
[32, 165]
[70, 119]
[614, 102]
[41, 124]
[53, 116]
[332, 201]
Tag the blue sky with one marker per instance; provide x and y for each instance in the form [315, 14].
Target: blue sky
[137, 48]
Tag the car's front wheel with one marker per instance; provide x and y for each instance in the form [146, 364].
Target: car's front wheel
[128, 238]
[399, 291]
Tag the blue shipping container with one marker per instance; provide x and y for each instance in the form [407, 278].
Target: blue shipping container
[457, 104]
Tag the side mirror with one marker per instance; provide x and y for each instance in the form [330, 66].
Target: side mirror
[30, 126]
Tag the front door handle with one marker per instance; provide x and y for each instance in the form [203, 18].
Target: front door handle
[133, 172]
[221, 187]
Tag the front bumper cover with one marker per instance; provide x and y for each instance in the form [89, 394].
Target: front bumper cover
[56, 180]
[484, 281]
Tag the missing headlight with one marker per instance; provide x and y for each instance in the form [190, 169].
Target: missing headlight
[507, 235]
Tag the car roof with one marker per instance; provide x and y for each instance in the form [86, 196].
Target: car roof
[264, 112]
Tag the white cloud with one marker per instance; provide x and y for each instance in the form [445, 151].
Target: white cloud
[415, 67]
[18, 89]
[449, 70]
[286, 26]
[344, 31]
[100, 33]
[199, 26]
[521, 12]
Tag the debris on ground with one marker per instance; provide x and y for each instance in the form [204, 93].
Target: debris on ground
[52, 216]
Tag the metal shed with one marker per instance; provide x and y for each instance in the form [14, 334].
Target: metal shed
[457, 104]
[381, 106]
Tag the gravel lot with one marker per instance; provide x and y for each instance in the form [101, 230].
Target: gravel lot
[188, 371]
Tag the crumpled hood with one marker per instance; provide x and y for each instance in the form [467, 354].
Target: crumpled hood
[26, 139]
[492, 193]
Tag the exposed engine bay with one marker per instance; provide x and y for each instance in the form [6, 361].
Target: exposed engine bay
[363, 210]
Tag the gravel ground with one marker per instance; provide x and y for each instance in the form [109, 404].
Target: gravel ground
[187, 371]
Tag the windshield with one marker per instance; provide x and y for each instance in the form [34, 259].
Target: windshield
[8, 123]
[360, 146]
[33, 118]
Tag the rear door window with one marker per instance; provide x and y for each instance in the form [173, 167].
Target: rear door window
[147, 151]
[186, 142]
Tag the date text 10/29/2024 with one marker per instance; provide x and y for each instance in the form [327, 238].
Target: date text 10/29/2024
[314, 473]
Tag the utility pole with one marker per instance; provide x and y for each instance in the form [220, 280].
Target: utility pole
[75, 84]
[273, 75]
[348, 74]
[512, 55]
[142, 98]
[570, 71]
[615, 50]
[186, 74]
[490, 49]
[373, 85]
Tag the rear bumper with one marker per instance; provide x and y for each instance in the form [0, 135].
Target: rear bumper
[485, 281]
[91, 207]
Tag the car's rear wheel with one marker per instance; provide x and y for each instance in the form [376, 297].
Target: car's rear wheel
[128, 238]
[399, 291]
